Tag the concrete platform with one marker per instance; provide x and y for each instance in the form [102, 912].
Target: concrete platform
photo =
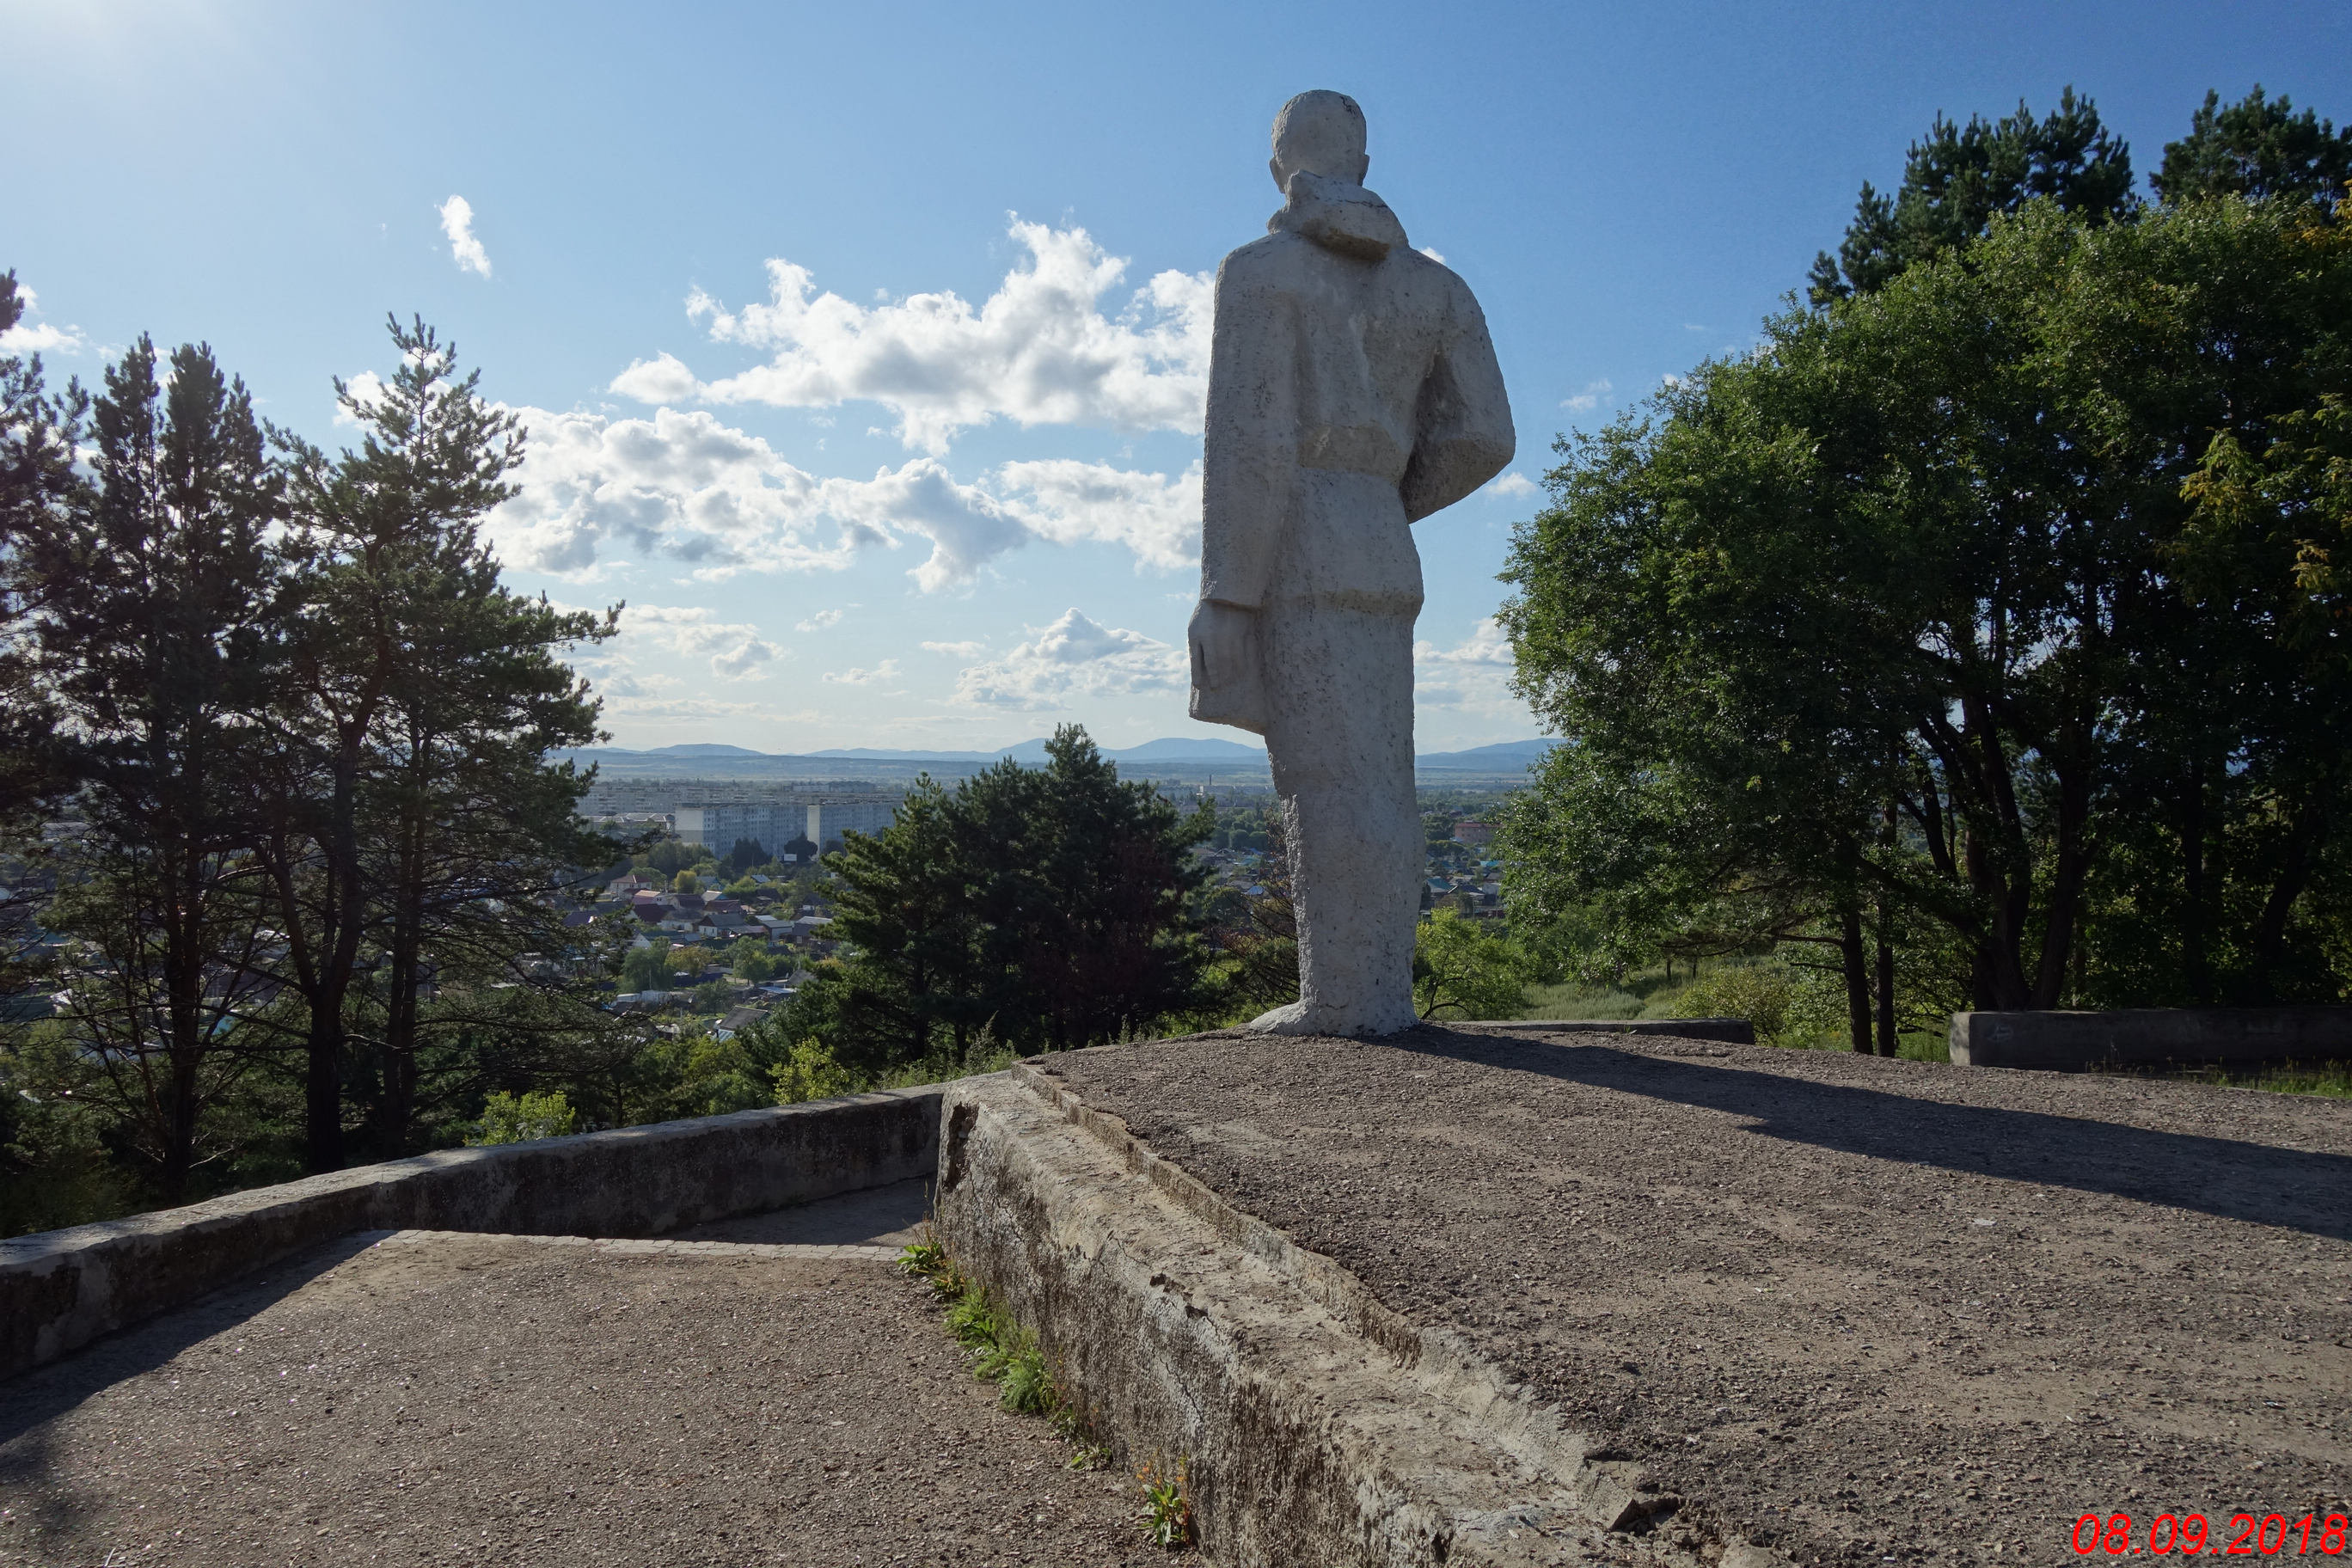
[440, 1398]
[1843, 1309]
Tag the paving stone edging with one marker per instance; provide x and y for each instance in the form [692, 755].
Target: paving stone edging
[1318, 1426]
[59, 1289]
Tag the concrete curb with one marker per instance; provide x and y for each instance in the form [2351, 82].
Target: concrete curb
[2152, 1037]
[1317, 1426]
[62, 1289]
[804, 1252]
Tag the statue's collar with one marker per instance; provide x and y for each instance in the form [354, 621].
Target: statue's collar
[1338, 215]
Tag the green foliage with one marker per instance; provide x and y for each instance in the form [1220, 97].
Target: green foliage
[1166, 1517]
[1048, 905]
[523, 1119]
[749, 958]
[1462, 971]
[648, 968]
[671, 855]
[1255, 941]
[2258, 147]
[811, 1072]
[1959, 177]
[1002, 1352]
[1964, 616]
[686, 884]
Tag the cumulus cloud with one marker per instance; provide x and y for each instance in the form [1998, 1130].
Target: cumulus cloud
[366, 389]
[1066, 500]
[857, 675]
[684, 486]
[735, 649]
[1076, 655]
[1472, 676]
[662, 379]
[1041, 350]
[1513, 483]
[458, 223]
[31, 337]
[818, 622]
[960, 649]
[679, 486]
[1433, 254]
[1588, 400]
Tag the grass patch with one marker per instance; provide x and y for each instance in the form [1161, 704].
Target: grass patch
[1002, 1352]
[2329, 1080]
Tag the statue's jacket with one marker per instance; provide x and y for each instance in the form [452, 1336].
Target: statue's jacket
[1352, 391]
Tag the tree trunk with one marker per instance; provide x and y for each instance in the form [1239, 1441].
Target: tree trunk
[2194, 964]
[2303, 841]
[1857, 979]
[1886, 987]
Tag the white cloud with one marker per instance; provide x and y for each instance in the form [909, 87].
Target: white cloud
[1588, 400]
[1513, 483]
[1040, 350]
[818, 622]
[681, 485]
[662, 379]
[736, 649]
[1074, 657]
[1433, 254]
[366, 389]
[685, 487]
[1472, 676]
[458, 223]
[960, 649]
[1066, 500]
[857, 676]
[31, 337]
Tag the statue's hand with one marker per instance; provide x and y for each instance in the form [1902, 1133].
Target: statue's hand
[1223, 638]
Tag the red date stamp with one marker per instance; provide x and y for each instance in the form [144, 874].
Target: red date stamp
[2248, 1535]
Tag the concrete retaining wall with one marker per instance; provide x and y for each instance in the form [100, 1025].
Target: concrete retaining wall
[62, 1289]
[2152, 1037]
[1316, 1425]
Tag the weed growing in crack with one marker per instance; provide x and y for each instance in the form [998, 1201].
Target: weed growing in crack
[1001, 1350]
[1166, 1516]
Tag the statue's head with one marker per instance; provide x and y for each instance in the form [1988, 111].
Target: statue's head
[1321, 133]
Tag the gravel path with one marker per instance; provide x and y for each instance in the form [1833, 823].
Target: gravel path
[1866, 1311]
[438, 1398]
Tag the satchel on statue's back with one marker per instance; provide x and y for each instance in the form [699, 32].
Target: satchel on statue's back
[1240, 699]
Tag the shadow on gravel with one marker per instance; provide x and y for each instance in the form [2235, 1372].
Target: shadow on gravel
[2253, 1182]
[51, 1391]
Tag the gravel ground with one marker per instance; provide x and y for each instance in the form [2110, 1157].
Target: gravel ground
[1865, 1311]
[445, 1399]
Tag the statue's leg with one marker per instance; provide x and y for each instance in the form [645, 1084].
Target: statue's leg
[1339, 687]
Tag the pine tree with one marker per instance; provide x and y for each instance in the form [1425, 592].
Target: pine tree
[156, 610]
[1958, 177]
[2258, 147]
[407, 765]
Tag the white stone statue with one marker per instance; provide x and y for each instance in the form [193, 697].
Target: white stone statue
[1352, 392]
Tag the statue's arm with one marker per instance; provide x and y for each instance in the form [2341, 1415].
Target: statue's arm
[1462, 427]
[1249, 456]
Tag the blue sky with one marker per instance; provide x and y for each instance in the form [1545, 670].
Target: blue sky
[710, 252]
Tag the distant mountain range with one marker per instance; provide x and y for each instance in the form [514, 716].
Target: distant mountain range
[1496, 758]
[1171, 750]
[1507, 757]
